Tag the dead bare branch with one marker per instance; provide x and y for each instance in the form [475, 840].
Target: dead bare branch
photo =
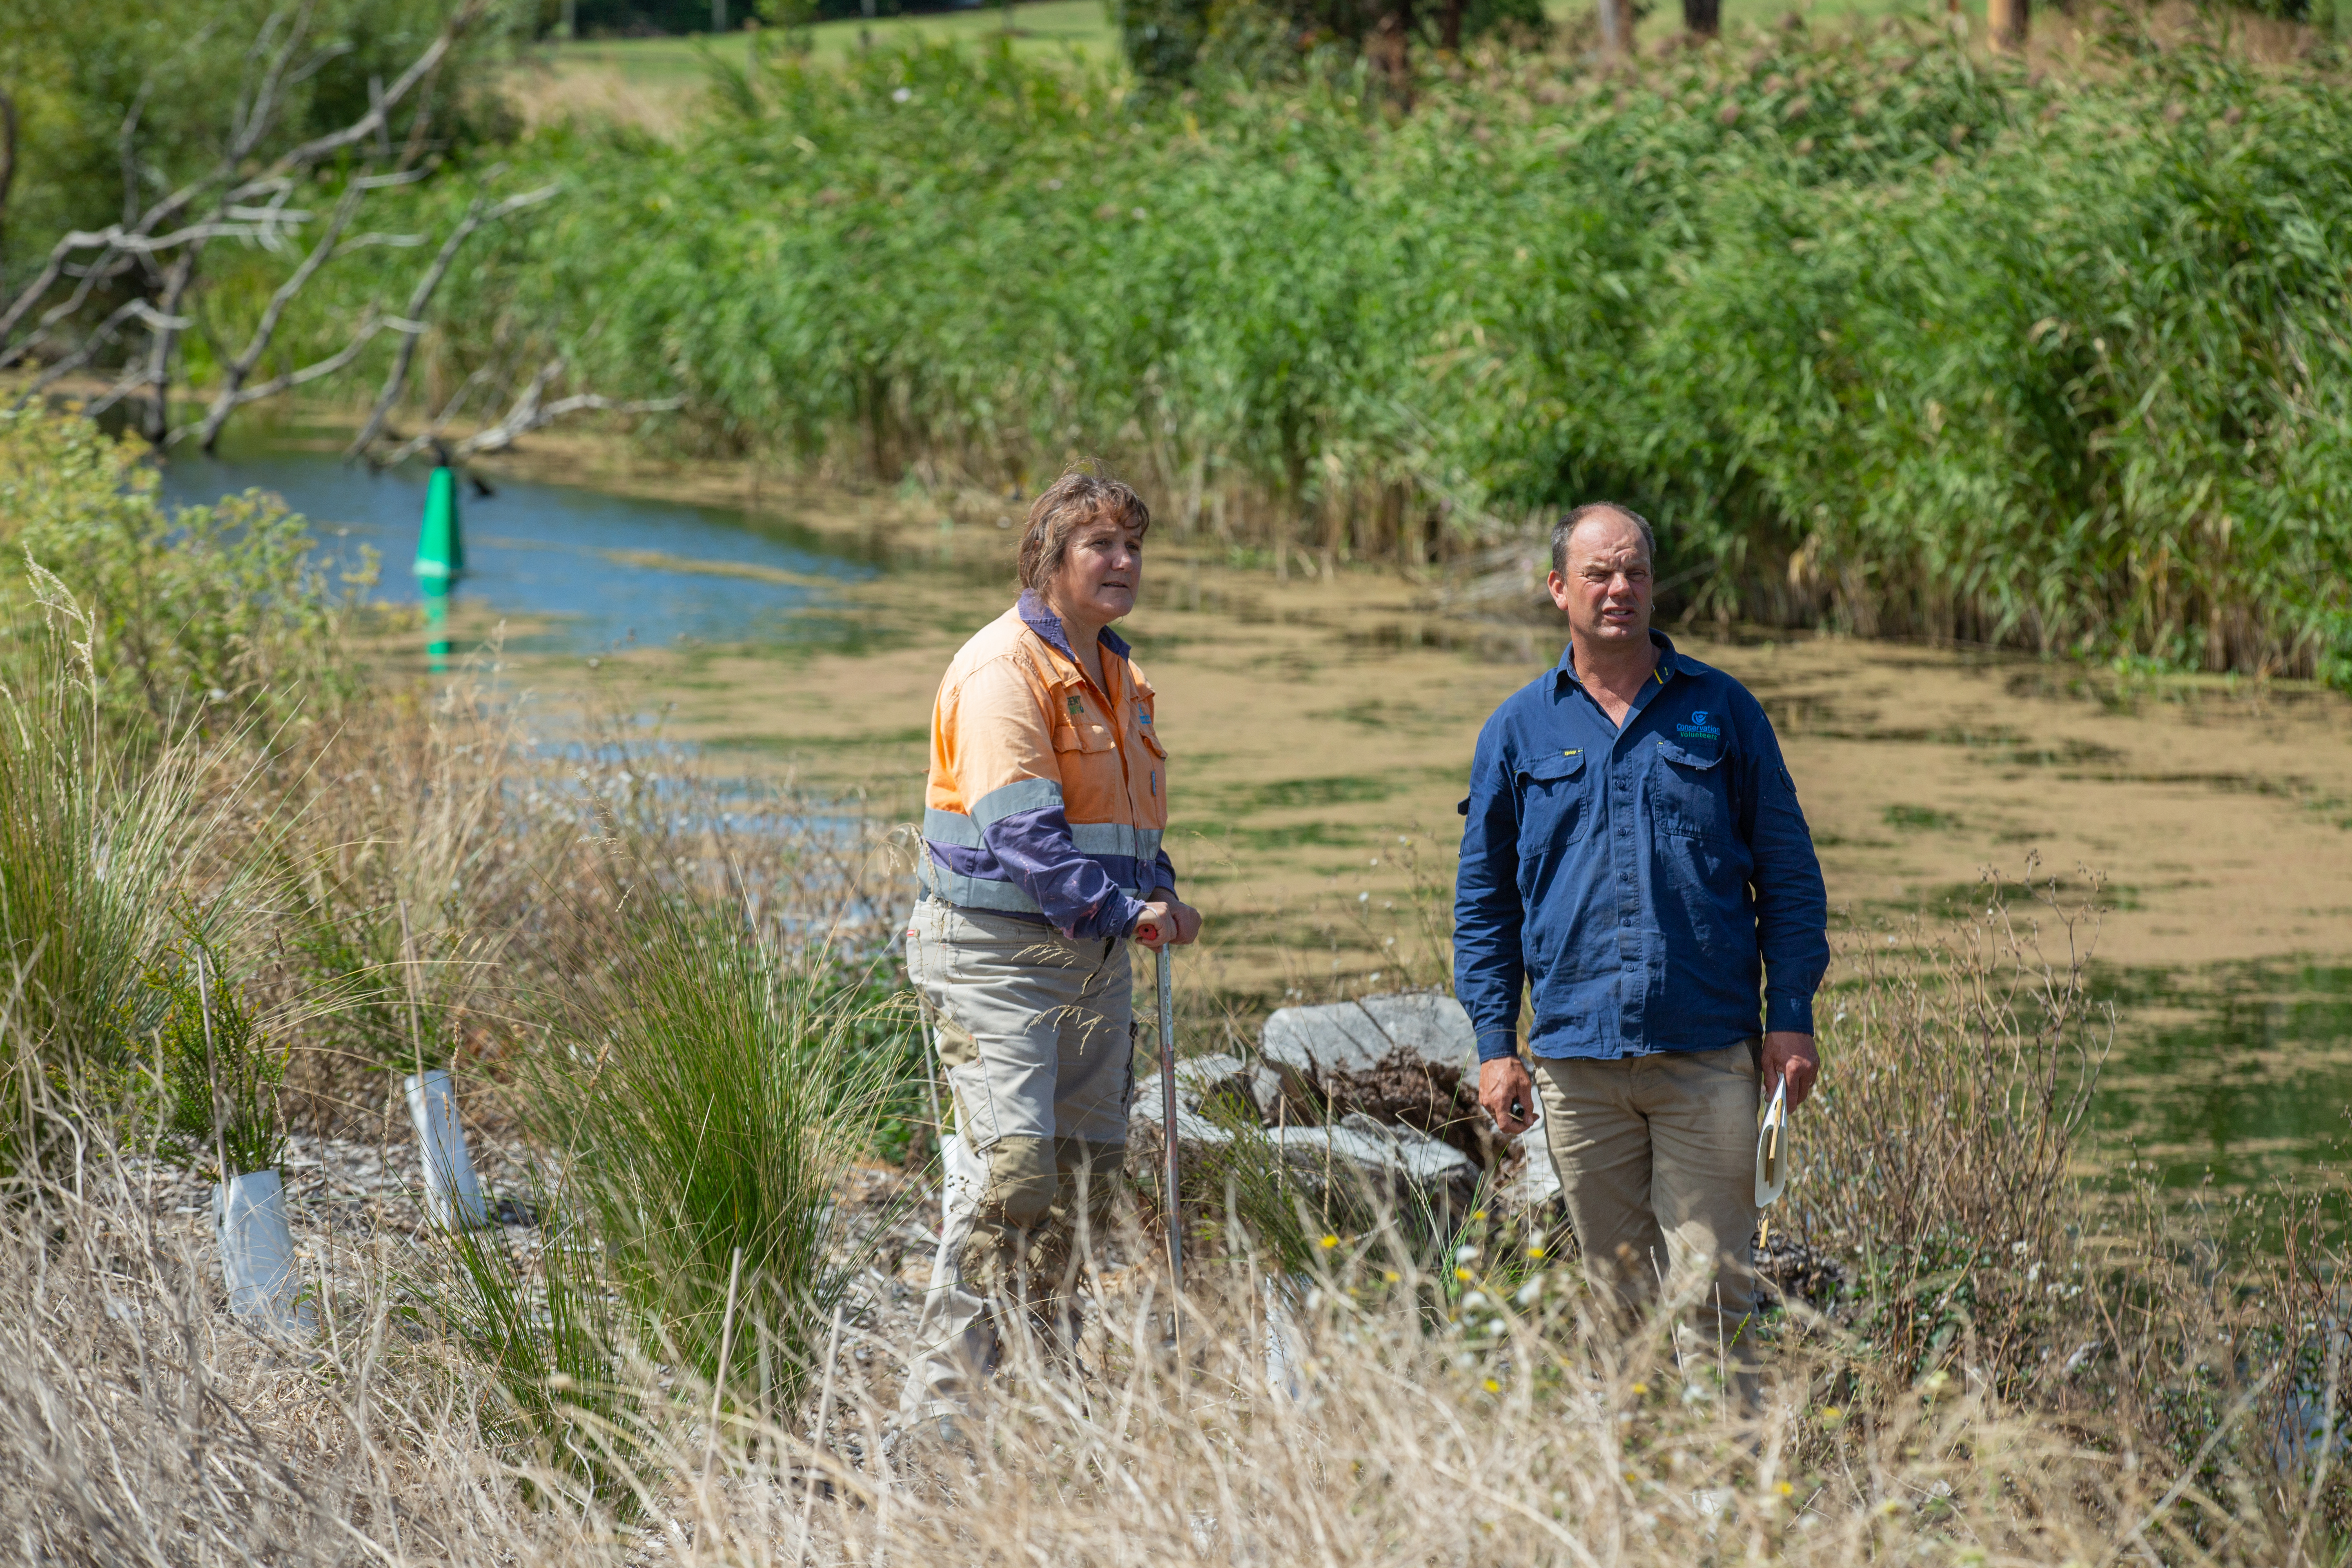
[229, 403]
[375, 237]
[127, 150]
[460, 22]
[434, 426]
[233, 375]
[254, 114]
[130, 310]
[228, 188]
[530, 414]
[395, 380]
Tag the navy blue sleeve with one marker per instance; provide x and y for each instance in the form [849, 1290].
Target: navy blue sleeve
[1488, 965]
[1163, 874]
[1073, 889]
[1791, 905]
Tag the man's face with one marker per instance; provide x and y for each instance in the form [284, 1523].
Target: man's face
[1605, 592]
[1102, 572]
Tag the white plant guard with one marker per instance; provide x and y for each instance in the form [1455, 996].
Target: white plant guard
[452, 1195]
[257, 1253]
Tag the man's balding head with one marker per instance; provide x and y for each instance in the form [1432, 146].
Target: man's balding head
[1562, 531]
[1601, 581]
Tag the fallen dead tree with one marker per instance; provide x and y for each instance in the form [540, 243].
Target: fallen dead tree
[119, 300]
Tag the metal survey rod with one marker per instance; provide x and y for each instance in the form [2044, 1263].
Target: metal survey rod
[1168, 1115]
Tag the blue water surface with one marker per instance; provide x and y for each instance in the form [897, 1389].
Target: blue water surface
[548, 551]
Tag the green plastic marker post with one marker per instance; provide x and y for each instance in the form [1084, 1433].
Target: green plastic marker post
[440, 561]
[436, 629]
[440, 542]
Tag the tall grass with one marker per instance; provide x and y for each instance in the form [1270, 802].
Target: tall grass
[1496, 1420]
[695, 1352]
[97, 841]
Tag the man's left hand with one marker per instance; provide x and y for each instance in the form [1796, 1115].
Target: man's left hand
[1790, 1055]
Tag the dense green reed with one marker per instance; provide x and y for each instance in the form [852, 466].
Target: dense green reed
[1881, 334]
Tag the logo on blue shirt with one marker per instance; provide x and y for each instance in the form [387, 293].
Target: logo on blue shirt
[1697, 728]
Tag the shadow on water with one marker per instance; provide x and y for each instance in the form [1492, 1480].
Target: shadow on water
[2241, 1072]
[590, 570]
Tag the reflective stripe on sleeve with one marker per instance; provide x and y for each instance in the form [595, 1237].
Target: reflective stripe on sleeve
[976, 892]
[951, 827]
[1115, 838]
[1021, 794]
[982, 893]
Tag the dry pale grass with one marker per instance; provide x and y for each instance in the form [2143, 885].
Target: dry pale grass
[139, 1424]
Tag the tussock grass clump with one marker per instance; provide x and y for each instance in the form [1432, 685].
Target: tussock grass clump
[97, 836]
[704, 1095]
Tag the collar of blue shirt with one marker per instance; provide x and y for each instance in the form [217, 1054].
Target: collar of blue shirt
[1566, 668]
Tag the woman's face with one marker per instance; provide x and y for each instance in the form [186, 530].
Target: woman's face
[1101, 572]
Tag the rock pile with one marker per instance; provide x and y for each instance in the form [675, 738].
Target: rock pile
[1380, 1093]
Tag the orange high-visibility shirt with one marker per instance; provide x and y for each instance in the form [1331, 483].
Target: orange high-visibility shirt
[1048, 794]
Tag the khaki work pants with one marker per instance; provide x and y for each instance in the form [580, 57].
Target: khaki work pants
[1036, 1033]
[1656, 1156]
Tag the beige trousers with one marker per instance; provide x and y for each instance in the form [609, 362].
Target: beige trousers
[1036, 1033]
[1656, 1156]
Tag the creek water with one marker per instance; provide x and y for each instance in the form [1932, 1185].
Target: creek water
[1321, 725]
[579, 571]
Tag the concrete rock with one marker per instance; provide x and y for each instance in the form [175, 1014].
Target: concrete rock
[1204, 1085]
[1403, 1165]
[1408, 1059]
[1368, 1157]
[1347, 1037]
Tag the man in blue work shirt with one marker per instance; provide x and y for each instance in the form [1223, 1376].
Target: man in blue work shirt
[1634, 853]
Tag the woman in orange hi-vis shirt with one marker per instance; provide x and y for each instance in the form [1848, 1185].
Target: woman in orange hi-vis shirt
[1040, 862]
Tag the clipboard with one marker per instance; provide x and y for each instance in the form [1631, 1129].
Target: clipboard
[1774, 1153]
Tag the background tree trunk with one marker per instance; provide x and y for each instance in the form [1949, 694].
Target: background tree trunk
[1391, 52]
[1449, 25]
[7, 160]
[2007, 22]
[1614, 39]
[1705, 18]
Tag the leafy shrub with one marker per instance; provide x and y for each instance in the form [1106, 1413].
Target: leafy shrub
[204, 615]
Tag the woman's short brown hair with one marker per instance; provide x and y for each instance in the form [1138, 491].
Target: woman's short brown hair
[1068, 504]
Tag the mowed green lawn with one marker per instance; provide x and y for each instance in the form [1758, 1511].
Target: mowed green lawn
[1062, 28]
[1044, 26]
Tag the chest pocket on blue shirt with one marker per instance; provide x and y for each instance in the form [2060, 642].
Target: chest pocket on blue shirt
[1690, 795]
[1551, 803]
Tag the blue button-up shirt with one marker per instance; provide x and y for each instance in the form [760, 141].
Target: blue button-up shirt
[1646, 882]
